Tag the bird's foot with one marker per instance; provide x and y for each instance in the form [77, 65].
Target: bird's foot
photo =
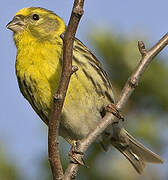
[113, 109]
[76, 155]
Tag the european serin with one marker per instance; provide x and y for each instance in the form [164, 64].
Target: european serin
[38, 66]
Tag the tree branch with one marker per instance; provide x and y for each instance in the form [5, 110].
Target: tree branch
[128, 89]
[67, 71]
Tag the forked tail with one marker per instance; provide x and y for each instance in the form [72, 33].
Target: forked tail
[134, 151]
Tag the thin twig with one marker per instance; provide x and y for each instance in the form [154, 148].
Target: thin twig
[67, 71]
[128, 89]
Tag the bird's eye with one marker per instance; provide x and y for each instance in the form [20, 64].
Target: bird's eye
[36, 17]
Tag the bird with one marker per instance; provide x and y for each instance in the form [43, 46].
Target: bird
[37, 36]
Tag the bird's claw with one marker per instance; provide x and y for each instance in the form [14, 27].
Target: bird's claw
[75, 155]
[113, 109]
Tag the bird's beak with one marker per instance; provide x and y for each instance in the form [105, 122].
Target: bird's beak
[16, 25]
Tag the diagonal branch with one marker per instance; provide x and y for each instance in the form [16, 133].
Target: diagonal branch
[67, 71]
[128, 89]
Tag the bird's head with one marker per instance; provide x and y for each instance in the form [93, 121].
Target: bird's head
[37, 22]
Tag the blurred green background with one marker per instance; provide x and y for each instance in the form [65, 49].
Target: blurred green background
[146, 115]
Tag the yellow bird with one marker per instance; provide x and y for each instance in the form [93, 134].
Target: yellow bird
[38, 66]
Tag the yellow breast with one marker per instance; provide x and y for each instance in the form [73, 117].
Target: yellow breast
[38, 70]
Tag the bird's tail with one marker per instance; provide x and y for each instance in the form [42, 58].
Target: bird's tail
[134, 151]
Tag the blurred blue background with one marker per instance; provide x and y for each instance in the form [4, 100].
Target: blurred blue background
[23, 135]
